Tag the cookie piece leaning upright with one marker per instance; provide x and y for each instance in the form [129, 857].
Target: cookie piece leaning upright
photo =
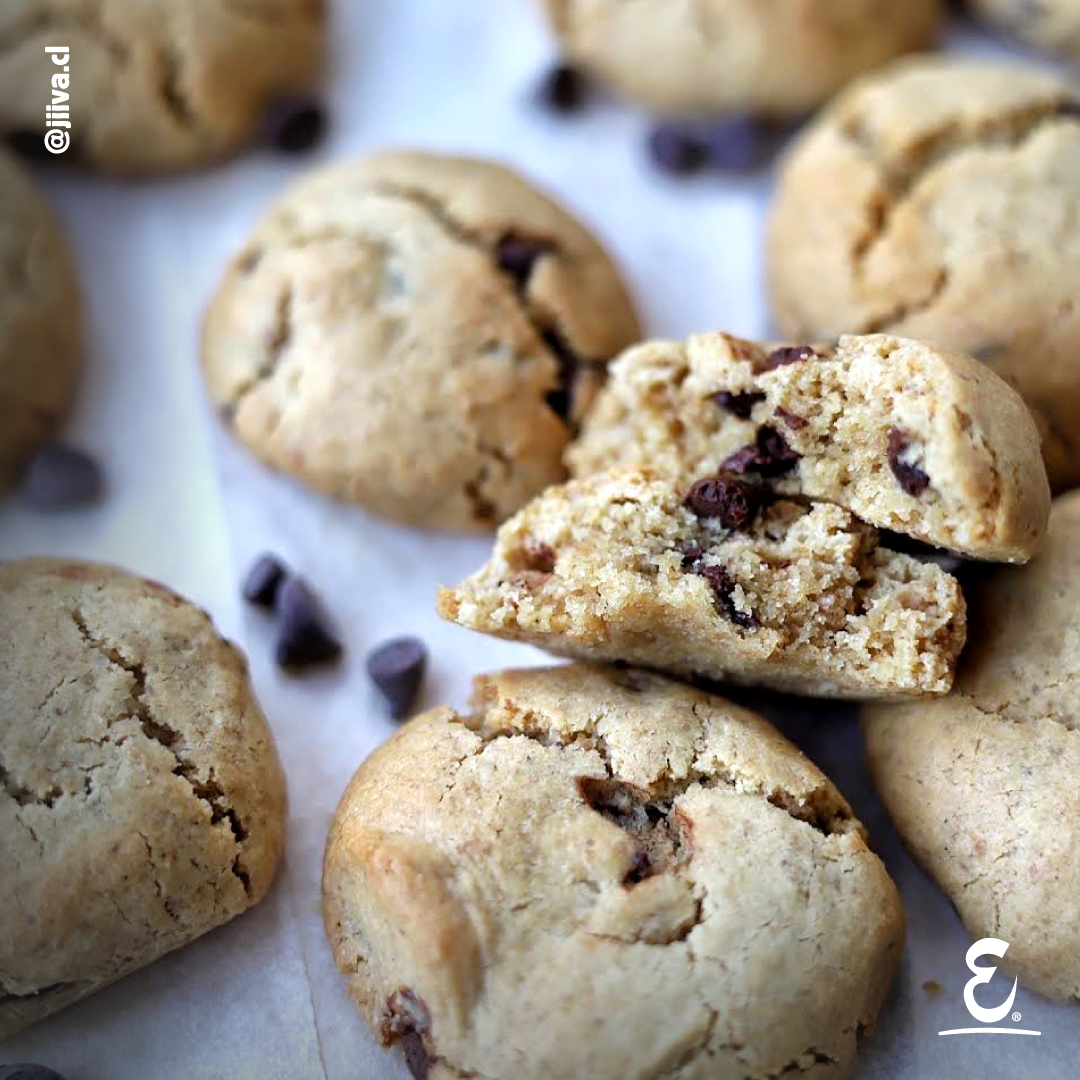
[938, 199]
[906, 436]
[39, 320]
[601, 873]
[141, 799]
[982, 785]
[155, 86]
[723, 56]
[727, 582]
[418, 334]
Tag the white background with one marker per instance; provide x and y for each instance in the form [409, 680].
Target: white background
[260, 998]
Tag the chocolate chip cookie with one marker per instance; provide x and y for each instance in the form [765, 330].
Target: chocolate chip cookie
[724, 56]
[39, 320]
[725, 580]
[906, 436]
[141, 799]
[418, 334]
[938, 199]
[599, 872]
[1053, 25]
[154, 86]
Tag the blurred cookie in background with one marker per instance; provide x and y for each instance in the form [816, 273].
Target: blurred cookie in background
[938, 199]
[1052, 25]
[156, 86]
[418, 334]
[39, 320]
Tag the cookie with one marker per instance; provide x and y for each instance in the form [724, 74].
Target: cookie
[39, 321]
[729, 56]
[1053, 25]
[936, 199]
[982, 784]
[725, 583]
[418, 334]
[599, 872]
[155, 86]
[905, 436]
[141, 799]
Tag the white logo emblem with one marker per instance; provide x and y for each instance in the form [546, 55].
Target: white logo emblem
[983, 974]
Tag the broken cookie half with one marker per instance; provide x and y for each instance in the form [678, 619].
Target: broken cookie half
[906, 436]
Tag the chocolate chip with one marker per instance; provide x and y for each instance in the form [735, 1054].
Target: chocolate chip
[564, 89]
[768, 455]
[786, 354]
[397, 668]
[793, 421]
[691, 557]
[640, 870]
[723, 587]
[407, 1021]
[677, 149]
[416, 1056]
[303, 636]
[741, 404]
[295, 125]
[517, 255]
[263, 580]
[61, 476]
[742, 143]
[540, 557]
[561, 399]
[910, 477]
[28, 1072]
[735, 502]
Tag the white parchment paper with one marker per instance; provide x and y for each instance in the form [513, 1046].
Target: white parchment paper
[260, 997]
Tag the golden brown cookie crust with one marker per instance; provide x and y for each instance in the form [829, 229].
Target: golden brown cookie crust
[141, 798]
[493, 882]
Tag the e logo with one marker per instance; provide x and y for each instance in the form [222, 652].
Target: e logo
[985, 947]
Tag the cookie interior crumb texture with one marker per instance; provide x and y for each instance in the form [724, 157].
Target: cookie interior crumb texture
[141, 799]
[794, 595]
[938, 199]
[982, 784]
[600, 872]
[907, 437]
[418, 334]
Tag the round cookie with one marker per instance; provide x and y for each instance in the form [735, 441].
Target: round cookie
[600, 872]
[141, 799]
[937, 200]
[418, 334]
[39, 320]
[768, 57]
[982, 784]
[155, 85]
[1053, 25]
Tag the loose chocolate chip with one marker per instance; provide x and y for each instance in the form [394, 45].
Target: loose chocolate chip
[742, 143]
[793, 420]
[28, 1072]
[740, 405]
[910, 477]
[295, 125]
[677, 149]
[303, 636]
[564, 89]
[786, 354]
[723, 587]
[61, 476]
[735, 502]
[263, 580]
[768, 455]
[517, 255]
[397, 668]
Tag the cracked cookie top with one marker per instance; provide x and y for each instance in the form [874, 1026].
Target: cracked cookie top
[601, 872]
[39, 320]
[141, 799]
[938, 199]
[418, 334]
[155, 85]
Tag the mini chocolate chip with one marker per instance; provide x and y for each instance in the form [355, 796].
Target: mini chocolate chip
[786, 354]
[793, 420]
[742, 143]
[397, 668]
[723, 587]
[416, 1056]
[640, 870]
[263, 580]
[60, 476]
[408, 1020]
[910, 477]
[691, 557]
[28, 1072]
[564, 89]
[735, 502]
[677, 149]
[295, 125]
[517, 255]
[303, 636]
[741, 404]
[768, 455]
